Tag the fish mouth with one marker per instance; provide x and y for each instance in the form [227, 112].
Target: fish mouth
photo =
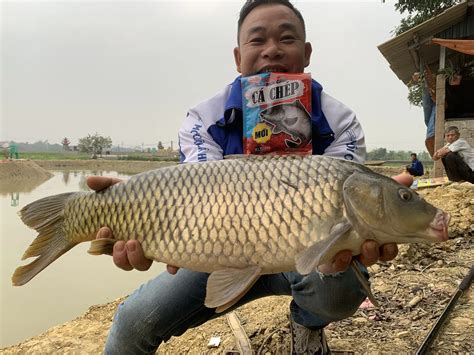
[439, 226]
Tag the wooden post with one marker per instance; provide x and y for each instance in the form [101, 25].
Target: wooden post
[439, 122]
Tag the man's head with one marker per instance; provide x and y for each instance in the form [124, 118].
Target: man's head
[271, 37]
[451, 134]
[413, 156]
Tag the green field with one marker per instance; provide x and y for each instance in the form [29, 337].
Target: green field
[54, 156]
[87, 156]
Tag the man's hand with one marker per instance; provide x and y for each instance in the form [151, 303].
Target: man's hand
[440, 153]
[127, 255]
[371, 252]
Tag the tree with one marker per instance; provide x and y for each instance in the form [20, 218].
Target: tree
[65, 142]
[419, 11]
[160, 146]
[94, 144]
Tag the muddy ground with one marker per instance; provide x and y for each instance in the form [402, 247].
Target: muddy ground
[413, 290]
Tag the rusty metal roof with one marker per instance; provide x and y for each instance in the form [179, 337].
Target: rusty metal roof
[404, 51]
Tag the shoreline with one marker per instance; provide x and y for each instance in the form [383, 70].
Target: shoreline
[122, 166]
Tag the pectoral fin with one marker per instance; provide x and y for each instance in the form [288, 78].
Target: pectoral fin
[308, 260]
[226, 287]
[102, 246]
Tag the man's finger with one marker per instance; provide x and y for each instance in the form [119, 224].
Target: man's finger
[120, 256]
[98, 183]
[404, 179]
[388, 251]
[369, 253]
[172, 269]
[136, 257]
[104, 232]
[341, 262]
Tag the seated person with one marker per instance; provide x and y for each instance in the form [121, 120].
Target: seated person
[457, 156]
[416, 167]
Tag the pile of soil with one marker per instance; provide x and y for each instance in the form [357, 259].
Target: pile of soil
[412, 291]
[21, 176]
[22, 169]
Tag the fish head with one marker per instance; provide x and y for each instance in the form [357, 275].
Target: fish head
[382, 209]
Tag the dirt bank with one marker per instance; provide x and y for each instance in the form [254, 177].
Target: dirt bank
[21, 176]
[122, 166]
[412, 290]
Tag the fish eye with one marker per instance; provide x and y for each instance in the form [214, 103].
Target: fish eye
[404, 194]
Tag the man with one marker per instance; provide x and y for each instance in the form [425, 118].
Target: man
[271, 37]
[416, 167]
[429, 105]
[457, 156]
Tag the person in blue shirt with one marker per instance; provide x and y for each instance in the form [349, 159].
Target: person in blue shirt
[271, 38]
[416, 167]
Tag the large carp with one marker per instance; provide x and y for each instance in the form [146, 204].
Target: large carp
[236, 219]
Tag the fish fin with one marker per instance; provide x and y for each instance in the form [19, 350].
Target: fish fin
[309, 259]
[364, 283]
[226, 287]
[102, 246]
[46, 217]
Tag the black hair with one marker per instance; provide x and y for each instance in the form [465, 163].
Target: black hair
[413, 154]
[452, 129]
[252, 4]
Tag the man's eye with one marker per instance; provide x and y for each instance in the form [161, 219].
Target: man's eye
[256, 40]
[288, 39]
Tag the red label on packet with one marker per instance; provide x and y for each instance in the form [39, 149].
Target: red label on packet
[277, 113]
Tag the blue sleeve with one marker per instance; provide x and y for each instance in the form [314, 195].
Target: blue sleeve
[419, 167]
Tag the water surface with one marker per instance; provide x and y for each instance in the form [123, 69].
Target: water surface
[67, 287]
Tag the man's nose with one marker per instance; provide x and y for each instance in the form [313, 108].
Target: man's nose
[272, 50]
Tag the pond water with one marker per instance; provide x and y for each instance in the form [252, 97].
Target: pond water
[67, 287]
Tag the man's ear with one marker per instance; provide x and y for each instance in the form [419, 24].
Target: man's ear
[308, 49]
[237, 58]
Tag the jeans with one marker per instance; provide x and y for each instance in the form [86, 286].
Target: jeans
[168, 305]
[429, 111]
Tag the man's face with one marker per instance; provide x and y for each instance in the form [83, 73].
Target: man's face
[451, 137]
[272, 39]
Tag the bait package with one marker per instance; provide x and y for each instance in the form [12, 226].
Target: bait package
[277, 113]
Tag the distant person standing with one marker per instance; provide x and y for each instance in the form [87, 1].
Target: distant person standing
[457, 156]
[13, 148]
[429, 105]
[416, 167]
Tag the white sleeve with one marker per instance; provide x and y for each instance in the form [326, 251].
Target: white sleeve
[195, 142]
[349, 139]
[458, 145]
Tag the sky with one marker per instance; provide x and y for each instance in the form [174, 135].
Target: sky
[132, 69]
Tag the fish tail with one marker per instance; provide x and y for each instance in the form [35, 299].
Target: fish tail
[46, 217]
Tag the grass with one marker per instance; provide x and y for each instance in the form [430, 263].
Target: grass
[54, 155]
[86, 156]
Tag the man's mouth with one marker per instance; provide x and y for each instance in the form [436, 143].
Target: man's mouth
[273, 69]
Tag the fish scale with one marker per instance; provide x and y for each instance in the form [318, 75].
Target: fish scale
[185, 209]
[236, 219]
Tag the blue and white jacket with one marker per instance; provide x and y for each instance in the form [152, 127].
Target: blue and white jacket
[214, 128]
